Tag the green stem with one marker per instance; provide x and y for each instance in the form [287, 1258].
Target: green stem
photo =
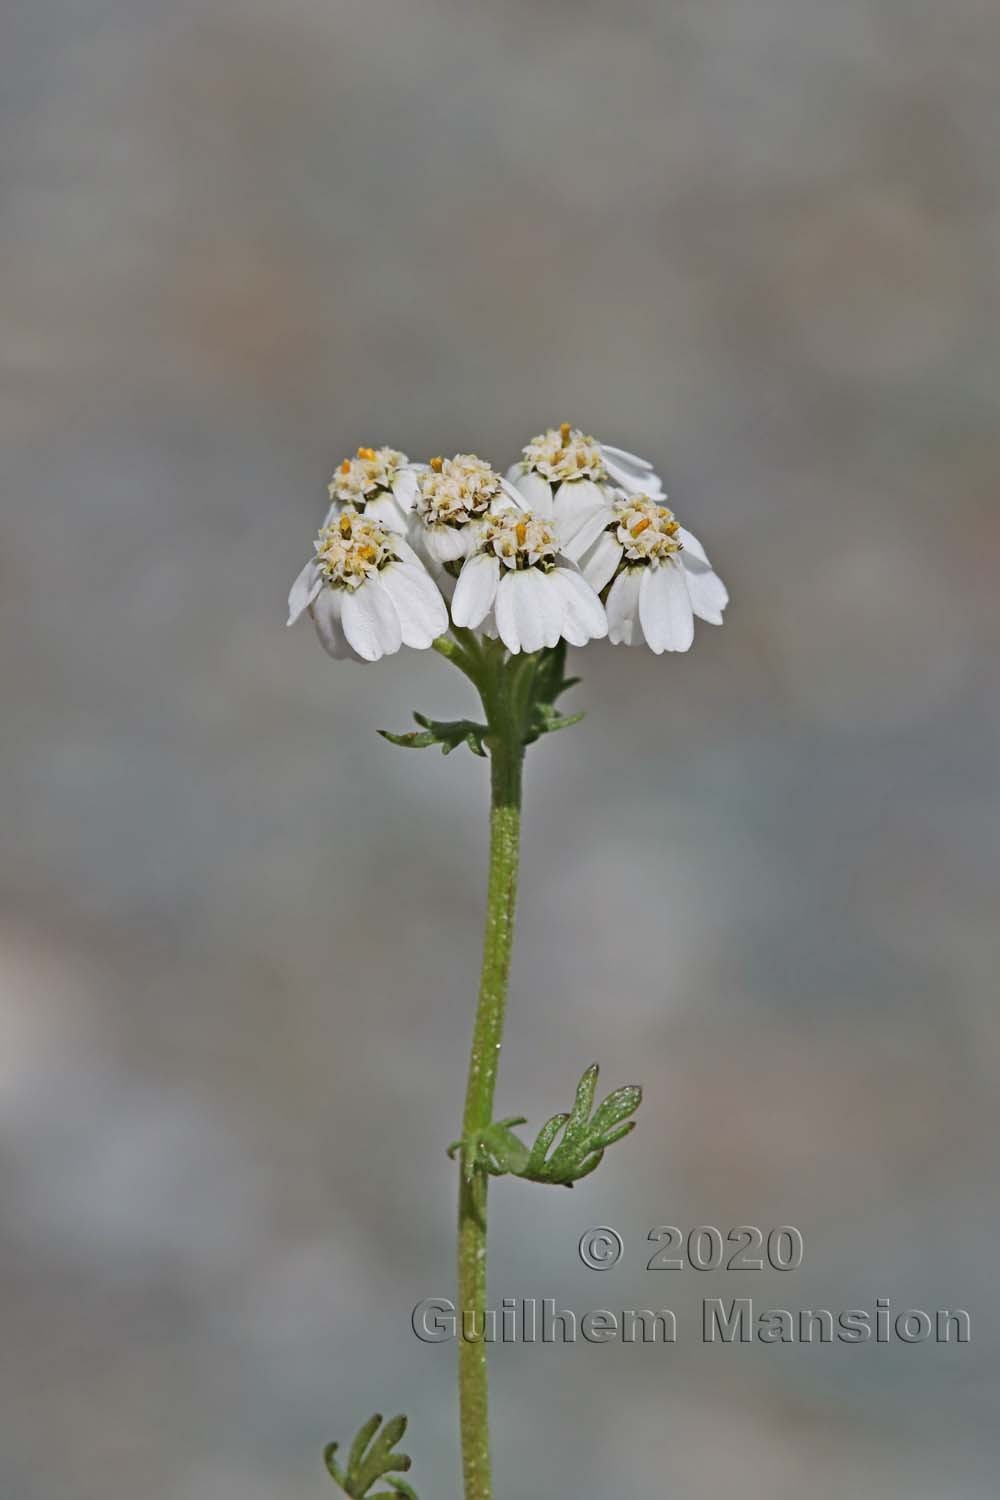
[507, 755]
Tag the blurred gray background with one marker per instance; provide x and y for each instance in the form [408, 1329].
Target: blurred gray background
[755, 240]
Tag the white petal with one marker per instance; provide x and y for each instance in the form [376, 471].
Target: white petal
[530, 490]
[371, 620]
[527, 618]
[405, 552]
[304, 590]
[385, 510]
[665, 608]
[578, 505]
[475, 590]
[580, 532]
[404, 486]
[325, 611]
[580, 495]
[583, 617]
[447, 543]
[623, 608]
[422, 613]
[601, 561]
[635, 484]
[625, 459]
[709, 595]
[694, 552]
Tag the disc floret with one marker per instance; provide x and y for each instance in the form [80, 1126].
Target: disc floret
[352, 549]
[455, 491]
[521, 540]
[565, 453]
[371, 472]
[646, 530]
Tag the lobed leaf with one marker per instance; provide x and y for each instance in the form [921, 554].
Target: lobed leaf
[448, 733]
[372, 1457]
[585, 1134]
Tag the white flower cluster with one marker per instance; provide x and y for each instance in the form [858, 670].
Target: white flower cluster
[576, 542]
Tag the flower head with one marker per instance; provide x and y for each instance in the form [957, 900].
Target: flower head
[453, 495]
[535, 596]
[659, 574]
[565, 473]
[562, 453]
[379, 481]
[366, 590]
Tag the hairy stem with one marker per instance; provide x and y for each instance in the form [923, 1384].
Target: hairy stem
[507, 752]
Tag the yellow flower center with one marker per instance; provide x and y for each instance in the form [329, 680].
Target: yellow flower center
[369, 473]
[352, 549]
[457, 490]
[646, 529]
[563, 453]
[521, 540]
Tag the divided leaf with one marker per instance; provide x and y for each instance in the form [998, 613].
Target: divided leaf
[585, 1134]
[448, 733]
[370, 1459]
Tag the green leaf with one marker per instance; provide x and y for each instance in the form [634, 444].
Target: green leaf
[526, 686]
[448, 733]
[586, 1135]
[496, 1149]
[371, 1458]
[548, 684]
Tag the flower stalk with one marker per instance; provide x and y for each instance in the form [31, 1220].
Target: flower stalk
[507, 757]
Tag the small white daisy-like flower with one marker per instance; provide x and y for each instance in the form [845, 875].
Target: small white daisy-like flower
[564, 473]
[659, 574]
[381, 482]
[452, 496]
[534, 596]
[367, 591]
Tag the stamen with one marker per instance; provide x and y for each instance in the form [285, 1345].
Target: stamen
[564, 432]
[345, 467]
[521, 532]
[640, 526]
[368, 453]
[437, 464]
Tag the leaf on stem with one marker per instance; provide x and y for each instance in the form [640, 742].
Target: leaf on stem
[585, 1134]
[370, 1459]
[448, 733]
[496, 1149]
[550, 682]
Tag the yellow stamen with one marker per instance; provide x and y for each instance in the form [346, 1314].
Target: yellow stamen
[366, 553]
[368, 453]
[521, 532]
[345, 526]
[437, 464]
[345, 467]
[564, 432]
[640, 526]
